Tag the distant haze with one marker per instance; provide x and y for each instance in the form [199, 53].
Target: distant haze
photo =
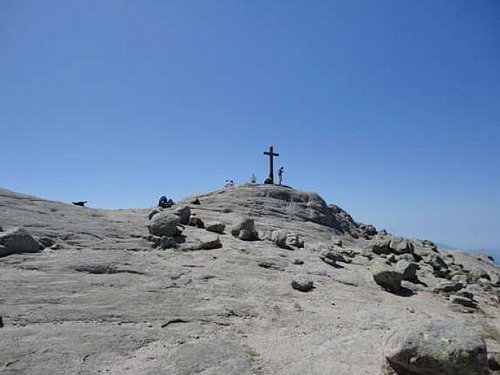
[389, 109]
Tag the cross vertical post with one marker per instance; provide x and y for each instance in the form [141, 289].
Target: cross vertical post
[271, 154]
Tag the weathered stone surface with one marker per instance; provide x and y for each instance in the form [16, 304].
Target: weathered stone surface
[164, 224]
[302, 283]
[99, 304]
[436, 348]
[215, 226]
[16, 241]
[386, 276]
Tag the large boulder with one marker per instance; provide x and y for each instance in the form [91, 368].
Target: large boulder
[436, 348]
[16, 241]
[164, 224]
[386, 276]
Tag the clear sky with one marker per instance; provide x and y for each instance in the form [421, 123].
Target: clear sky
[390, 109]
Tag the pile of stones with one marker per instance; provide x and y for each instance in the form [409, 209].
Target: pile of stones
[398, 262]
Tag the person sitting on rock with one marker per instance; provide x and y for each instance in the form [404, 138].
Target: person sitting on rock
[165, 203]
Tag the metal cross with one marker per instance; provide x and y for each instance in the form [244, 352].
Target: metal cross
[271, 154]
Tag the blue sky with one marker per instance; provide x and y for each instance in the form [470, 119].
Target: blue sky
[390, 109]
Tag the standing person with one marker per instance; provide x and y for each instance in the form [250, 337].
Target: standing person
[281, 171]
[253, 179]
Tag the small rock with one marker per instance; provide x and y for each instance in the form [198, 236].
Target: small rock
[464, 301]
[298, 261]
[46, 241]
[216, 227]
[293, 240]
[465, 293]
[494, 361]
[337, 242]
[207, 242]
[302, 283]
[279, 238]
[195, 221]
[271, 264]
[331, 256]
[1, 322]
[167, 243]
[448, 287]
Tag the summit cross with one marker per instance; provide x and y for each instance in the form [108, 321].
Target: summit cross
[271, 154]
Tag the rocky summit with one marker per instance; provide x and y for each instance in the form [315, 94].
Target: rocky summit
[252, 279]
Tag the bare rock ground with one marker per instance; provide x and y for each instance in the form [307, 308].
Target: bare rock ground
[102, 300]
